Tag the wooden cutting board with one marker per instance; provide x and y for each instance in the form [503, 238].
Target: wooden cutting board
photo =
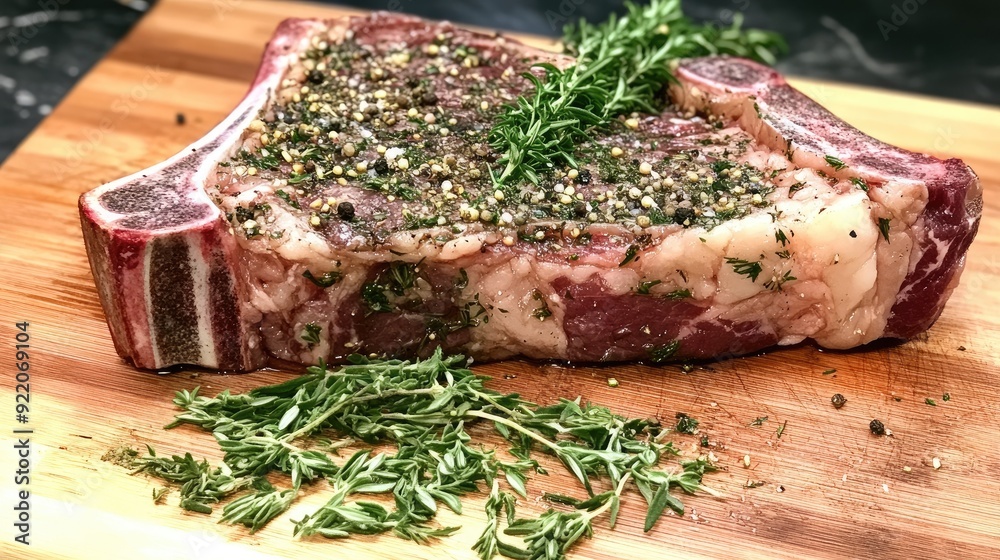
[831, 488]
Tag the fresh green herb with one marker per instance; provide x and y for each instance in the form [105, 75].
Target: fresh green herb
[462, 281]
[630, 254]
[396, 280]
[686, 424]
[883, 226]
[310, 334]
[663, 353]
[759, 421]
[489, 545]
[200, 484]
[946, 397]
[750, 269]
[612, 382]
[159, 493]
[835, 163]
[325, 280]
[288, 199]
[373, 294]
[777, 282]
[930, 401]
[621, 66]
[542, 311]
[779, 236]
[643, 287]
[678, 294]
[860, 183]
[421, 409]
[829, 371]
[296, 179]
[781, 429]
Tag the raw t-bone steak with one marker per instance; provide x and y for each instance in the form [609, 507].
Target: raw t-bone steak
[346, 206]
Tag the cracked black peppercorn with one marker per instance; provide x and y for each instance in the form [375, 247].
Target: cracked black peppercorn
[683, 214]
[877, 428]
[381, 166]
[584, 177]
[838, 400]
[346, 211]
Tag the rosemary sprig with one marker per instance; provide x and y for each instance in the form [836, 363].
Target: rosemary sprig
[421, 408]
[621, 66]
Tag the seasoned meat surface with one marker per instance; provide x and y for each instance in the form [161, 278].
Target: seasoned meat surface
[350, 205]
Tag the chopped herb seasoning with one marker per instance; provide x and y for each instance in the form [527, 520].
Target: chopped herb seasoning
[542, 311]
[678, 294]
[663, 353]
[375, 298]
[776, 282]
[310, 334]
[946, 397]
[883, 226]
[686, 424]
[630, 254]
[643, 287]
[929, 401]
[860, 183]
[750, 269]
[835, 163]
[324, 280]
[830, 371]
[287, 198]
[759, 421]
[462, 281]
[781, 429]
[612, 382]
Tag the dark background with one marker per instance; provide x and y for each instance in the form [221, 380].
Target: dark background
[937, 47]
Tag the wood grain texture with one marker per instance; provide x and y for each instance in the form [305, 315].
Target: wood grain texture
[845, 495]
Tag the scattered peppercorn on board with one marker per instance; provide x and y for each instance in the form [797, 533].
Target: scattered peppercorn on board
[818, 484]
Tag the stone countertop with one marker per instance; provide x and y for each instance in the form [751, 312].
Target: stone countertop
[947, 49]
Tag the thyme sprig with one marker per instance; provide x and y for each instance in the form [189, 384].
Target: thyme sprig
[621, 66]
[422, 409]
